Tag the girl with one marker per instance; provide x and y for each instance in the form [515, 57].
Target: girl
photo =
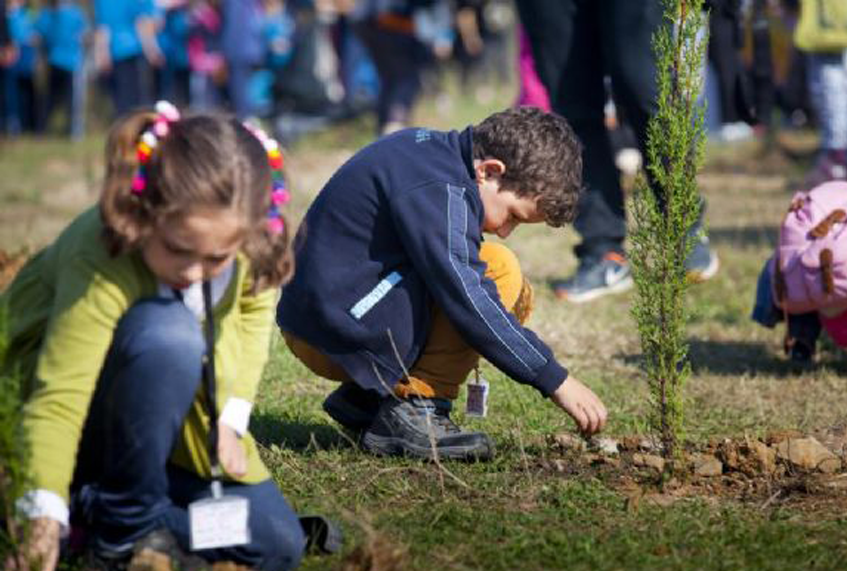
[105, 328]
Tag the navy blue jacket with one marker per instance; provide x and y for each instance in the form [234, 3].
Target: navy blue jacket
[396, 229]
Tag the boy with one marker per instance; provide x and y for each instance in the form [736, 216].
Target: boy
[396, 296]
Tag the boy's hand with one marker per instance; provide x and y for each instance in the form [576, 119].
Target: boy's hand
[41, 551]
[582, 404]
[231, 452]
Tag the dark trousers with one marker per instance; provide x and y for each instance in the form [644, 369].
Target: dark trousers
[65, 91]
[575, 44]
[399, 60]
[124, 486]
[172, 84]
[129, 84]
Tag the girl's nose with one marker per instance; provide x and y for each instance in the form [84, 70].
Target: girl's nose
[193, 273]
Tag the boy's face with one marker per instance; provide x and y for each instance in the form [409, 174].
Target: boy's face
[504, 209]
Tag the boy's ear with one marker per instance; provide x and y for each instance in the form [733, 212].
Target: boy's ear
[490, 168]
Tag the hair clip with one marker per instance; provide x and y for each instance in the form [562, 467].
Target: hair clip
[280, 195]
[167, 114]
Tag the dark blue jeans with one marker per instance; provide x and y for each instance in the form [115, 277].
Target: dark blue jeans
[124, 486]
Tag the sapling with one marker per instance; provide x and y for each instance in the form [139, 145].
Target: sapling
[666, 207]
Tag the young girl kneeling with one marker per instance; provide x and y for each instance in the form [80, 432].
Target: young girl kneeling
[107, 330]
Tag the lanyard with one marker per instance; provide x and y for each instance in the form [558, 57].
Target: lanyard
[209, 384]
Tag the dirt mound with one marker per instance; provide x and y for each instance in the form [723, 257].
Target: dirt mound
[807, 471]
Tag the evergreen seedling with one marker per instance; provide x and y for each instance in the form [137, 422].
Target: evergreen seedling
[666, 206]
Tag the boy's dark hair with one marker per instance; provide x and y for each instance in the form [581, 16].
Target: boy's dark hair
[205, 160]
[542, 155]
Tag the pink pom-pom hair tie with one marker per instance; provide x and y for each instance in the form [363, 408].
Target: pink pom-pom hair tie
[280, 196]
[166, 114]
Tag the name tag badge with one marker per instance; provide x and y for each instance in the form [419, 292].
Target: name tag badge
[219, 522]
[477, 403]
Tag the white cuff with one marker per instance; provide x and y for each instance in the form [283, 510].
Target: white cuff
[44, 503]
[236, 415]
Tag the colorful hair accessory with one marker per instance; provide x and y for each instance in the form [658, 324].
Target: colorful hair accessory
[279, 193]
[166, 114]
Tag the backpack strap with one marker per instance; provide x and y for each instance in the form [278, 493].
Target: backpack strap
[825, 225]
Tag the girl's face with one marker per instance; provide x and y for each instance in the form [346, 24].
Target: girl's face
[191, 247]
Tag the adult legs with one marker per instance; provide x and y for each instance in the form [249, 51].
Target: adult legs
[398, 59]
[129, 84]
[827, 76]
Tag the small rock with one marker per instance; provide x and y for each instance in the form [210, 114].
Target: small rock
[649, 445]
[809, 454]
[707, 466]
[608, 446]
[782, 435]
[838, 483]
[559, 465]
[762, 456]
[649, 461]
[568, 441]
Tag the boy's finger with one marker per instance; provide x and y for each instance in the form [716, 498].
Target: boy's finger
[580, 418]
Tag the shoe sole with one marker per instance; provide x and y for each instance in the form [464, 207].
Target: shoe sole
[699, 276]
[393, 446]
[618, 287]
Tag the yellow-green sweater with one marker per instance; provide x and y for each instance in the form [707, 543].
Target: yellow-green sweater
[63, 308]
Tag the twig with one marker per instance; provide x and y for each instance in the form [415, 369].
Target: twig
[771, 499]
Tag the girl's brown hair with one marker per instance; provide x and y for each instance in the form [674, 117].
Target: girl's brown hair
[204, 160]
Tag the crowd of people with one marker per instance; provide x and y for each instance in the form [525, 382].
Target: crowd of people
[253, 57]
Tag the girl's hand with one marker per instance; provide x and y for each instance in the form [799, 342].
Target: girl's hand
[41, 551]
[231, 453]
[587, 410]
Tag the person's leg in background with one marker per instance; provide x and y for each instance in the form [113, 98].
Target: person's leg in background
[627, 45]
[827, 76]
[569, 56]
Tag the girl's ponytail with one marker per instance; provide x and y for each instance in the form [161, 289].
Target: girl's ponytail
[125, 216]
[271, 259]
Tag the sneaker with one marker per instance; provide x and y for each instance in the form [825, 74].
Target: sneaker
[702, 262]
[352, 407]
[156, 551]
[830, 165]
[595, 279]
[422, 428]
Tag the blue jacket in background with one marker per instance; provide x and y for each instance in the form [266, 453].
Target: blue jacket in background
[278, 35]
[63, 30]
[396, 229]
[120, 17]
[22, 31]
[173, 39]
[241, 38]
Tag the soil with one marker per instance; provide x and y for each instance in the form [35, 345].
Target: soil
[745, 470]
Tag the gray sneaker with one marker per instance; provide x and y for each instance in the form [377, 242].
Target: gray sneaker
[702, 263]
[594, 279]
[422, 428]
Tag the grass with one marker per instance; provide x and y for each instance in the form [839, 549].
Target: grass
[517, 512]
